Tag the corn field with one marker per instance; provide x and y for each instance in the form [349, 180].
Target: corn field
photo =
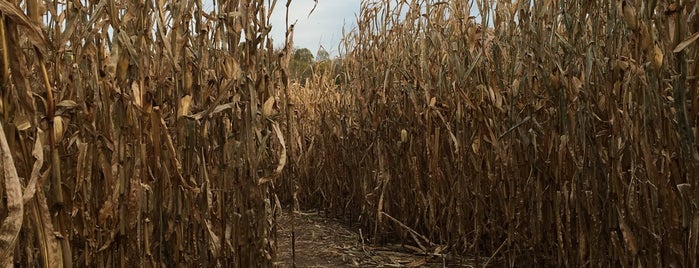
[539, 133]
[547, 133]
[139, 133]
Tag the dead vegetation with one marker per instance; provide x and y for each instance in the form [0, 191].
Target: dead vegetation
[144, 133]
[563, 135]
[152, 133]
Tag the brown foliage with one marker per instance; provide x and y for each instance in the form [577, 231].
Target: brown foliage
[159, 150]
[562, 135]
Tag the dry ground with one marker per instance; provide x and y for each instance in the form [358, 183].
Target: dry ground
[323, 242]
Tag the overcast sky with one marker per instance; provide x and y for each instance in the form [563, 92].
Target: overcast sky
[322, 28]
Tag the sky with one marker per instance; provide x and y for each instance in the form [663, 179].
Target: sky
[322, 28]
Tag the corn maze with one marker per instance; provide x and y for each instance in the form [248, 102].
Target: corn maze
[538, 133]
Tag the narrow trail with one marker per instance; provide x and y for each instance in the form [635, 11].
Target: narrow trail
[323, 242]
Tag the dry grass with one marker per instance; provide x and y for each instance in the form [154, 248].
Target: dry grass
[144, 133]
[563, 135]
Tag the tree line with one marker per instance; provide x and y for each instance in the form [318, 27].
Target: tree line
[304, 65]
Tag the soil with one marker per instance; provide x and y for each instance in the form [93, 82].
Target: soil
[323, 242]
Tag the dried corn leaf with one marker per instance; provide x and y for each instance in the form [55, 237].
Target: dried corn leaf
[214, 242]
[38, 154]
[169, 145]
[9, 230]
[629, 237]
[282, 157]
[137, 94]
[33, 31]
[685, 43]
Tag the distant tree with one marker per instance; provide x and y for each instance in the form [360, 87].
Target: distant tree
[301, 64]
[303, 55]
[323, 65]
[322, 54]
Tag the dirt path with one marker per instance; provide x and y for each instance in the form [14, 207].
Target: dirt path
[322, 242]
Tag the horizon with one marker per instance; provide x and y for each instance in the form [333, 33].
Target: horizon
[323, 28]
